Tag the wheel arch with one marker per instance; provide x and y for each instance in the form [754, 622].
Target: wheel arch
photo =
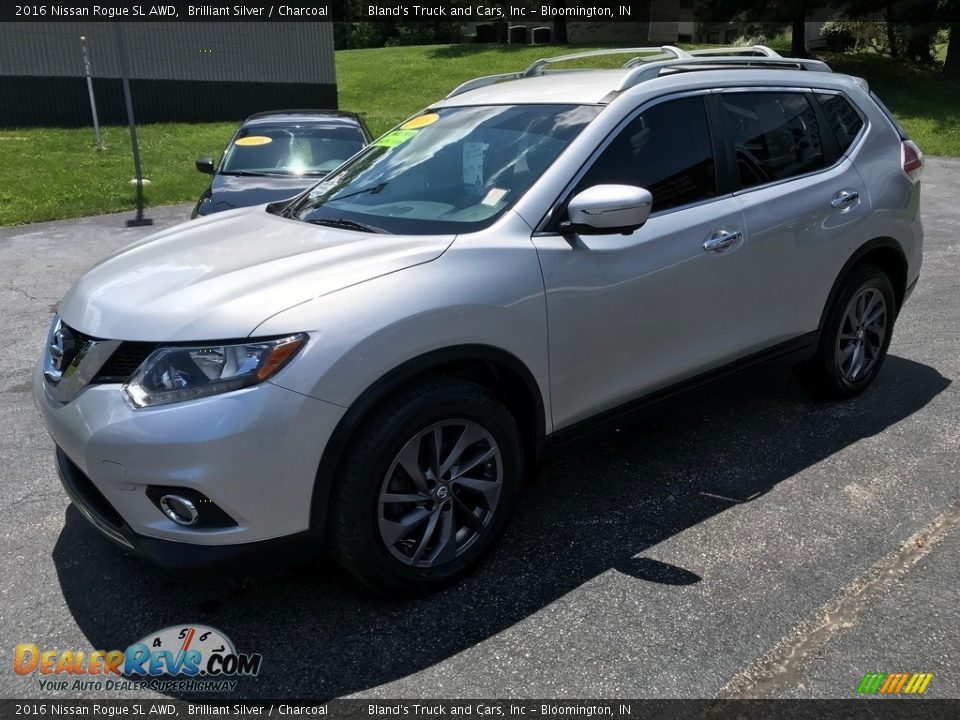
[884, 252]
[500, 371]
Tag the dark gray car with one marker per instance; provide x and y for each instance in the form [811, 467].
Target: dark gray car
[276, 155]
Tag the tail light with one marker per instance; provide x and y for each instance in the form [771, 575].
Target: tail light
[911, 159]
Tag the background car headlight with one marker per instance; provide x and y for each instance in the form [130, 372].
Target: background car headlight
[172, 374]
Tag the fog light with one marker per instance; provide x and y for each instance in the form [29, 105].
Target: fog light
[179, 509]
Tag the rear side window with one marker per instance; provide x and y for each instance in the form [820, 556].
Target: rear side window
[775, 135]
[667, 150]
[844, 120]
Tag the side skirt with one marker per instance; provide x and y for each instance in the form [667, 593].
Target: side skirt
[789, 352]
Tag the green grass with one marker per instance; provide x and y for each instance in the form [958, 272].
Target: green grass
[46, 174]
[926, 105]
[51, 173]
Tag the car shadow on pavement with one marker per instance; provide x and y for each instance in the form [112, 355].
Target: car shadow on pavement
[595, 509]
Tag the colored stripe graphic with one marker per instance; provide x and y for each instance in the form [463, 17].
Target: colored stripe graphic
[894, 683]
[871, 683]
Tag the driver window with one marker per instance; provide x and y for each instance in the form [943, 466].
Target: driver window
[667, 150]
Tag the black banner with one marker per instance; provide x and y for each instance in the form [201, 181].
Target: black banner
[475, 11]
[894, 708]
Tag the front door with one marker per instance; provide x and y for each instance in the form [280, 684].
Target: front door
[629, 314]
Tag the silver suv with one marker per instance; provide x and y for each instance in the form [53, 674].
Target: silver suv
[373, 366]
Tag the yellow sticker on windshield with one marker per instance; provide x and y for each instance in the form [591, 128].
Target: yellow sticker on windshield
[253, 140]
[421, 121]
[392, 139]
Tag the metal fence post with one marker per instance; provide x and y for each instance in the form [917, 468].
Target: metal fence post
[122, 60]
[93, 103]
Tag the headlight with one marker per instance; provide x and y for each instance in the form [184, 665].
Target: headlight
[172, 374]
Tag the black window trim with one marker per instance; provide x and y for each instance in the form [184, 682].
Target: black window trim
[548, 225]
[854, 144]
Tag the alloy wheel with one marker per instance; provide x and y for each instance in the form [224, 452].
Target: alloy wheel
[440, 493]
[862, 332]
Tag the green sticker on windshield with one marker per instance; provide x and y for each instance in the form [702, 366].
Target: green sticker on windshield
[397, 137]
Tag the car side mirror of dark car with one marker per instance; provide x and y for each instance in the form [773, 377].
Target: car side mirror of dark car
[205, 165]
[607, 209]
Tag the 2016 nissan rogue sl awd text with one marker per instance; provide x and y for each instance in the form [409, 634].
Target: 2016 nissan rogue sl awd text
[372, 366]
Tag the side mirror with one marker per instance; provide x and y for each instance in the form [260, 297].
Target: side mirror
[205, 165]
[608, 209]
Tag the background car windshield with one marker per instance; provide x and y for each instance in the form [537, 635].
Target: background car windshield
[290, 150]
[449, 170]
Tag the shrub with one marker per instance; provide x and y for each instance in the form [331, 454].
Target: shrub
[838, 36]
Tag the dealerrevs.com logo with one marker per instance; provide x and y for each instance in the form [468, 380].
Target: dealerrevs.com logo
[182, 657]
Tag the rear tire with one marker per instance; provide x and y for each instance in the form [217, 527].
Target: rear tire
[855, 337]
[426, 485]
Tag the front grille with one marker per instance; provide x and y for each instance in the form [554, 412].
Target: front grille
[81, 339]
[124, 362]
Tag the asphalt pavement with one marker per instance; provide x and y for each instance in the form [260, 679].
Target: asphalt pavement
[747, 542]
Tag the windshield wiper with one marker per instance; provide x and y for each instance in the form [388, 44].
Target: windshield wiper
[245, 173]
[348, 225]
[373, 190]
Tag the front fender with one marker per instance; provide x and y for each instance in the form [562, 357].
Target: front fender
[478, 293]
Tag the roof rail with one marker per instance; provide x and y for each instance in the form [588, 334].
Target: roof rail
[482, 82]
[649, 71]
[539, 66]
[646, 66]
[753, 50]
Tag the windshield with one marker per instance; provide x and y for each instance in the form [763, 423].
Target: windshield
[452, 170]
[290, 149]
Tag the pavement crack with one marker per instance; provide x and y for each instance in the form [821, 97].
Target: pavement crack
[20, 291]
[781, 668]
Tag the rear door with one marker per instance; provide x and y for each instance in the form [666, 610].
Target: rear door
[629, 314]
[804, 205]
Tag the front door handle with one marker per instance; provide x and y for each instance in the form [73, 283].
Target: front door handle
[722, 239]
[844, 199]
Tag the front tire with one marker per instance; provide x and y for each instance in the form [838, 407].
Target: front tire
[426, 486]
[855, 338]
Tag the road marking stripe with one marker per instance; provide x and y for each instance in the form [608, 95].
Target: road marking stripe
[781, 668]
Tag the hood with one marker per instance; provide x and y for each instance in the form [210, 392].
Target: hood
[234, 191]
[219, 277]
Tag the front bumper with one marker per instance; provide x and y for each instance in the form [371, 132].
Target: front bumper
[254, 453]
[169, 553]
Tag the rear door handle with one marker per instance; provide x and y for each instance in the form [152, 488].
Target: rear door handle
[722, 239]
[844, 199]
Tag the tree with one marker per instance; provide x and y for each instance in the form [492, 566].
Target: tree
[560, 27]
[911, 25]
[951, 66]
[794, 12]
